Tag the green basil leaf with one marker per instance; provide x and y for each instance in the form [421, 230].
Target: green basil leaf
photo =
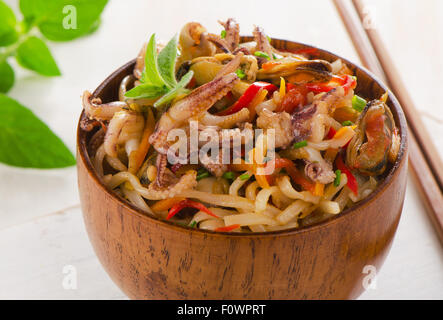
[166, 62]
[63, 20]
[33, 54]
[151, 73]
[8, 35]
[6, 77]
[9, 38]
[145, 91]
[25, 141]
[178, 89]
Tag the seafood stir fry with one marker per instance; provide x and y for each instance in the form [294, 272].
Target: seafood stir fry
[221, 135]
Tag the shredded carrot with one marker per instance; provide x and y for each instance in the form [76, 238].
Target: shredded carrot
[166, 204]
[259, 97]
[341, 132]
[319, 189]
[143, 148]
[262, 180]
[282, 87]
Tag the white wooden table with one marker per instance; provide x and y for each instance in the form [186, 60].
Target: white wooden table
[41, 228]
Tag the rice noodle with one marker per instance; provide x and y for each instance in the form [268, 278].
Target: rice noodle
[262, 199]
[286, 188]
[238, 183]
[251, 190]
[116, 163]
[249, 219]
[98, 160]
[292, 211]
[137, 200]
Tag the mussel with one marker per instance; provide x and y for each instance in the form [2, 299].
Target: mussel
[369, 150]
[310, 70]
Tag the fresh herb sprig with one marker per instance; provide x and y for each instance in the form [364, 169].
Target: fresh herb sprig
[158, 77]
[25, 141]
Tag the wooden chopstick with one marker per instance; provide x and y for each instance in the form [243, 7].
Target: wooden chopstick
[423, 158]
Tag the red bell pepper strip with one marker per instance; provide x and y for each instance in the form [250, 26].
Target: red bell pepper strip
[308, 51]
[247, 97]
[350, 83]
[188, 204]
[331, 133]
[290, 168]
[346, 81]
[228, 228]
[352, 181]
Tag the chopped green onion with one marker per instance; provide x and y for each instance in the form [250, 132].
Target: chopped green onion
[223, 34]
[300, 144]
[347, 123]
[262, 54]
[358, 103]
[229, 175]
[202, 173]
[193, 224]
[274, 56]
[337, 178]
[244, 176]
[240, 73]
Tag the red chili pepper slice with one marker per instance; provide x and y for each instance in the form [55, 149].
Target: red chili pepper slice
[228, 228]
[352, 181]
[247, 97]
[188, 204]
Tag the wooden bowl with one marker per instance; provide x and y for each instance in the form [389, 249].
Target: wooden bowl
[150, 258]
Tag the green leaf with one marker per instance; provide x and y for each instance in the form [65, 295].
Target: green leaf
[166, 62]
[25, 141]
[94, 26]
[178, 89]
[145, 91]
[8, 34]
[6, 77]
[151, 74]
[33, 54]
[63, 20]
